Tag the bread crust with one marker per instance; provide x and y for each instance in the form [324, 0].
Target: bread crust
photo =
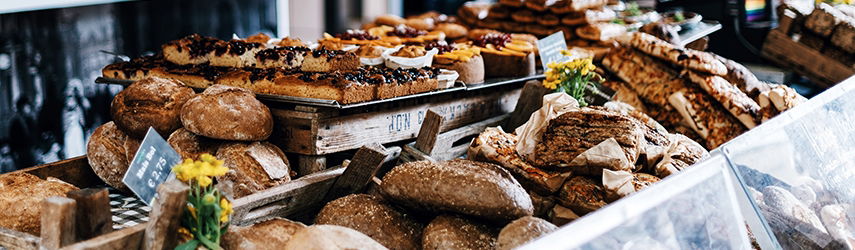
[21, 196]
[523, 230]
[266, 235]
[227, 113]
[450, 186]
[328, 237]
[110, 152]
[253, 167]
[190, 145]
[455, 232]
[375, 218]
[151, 102]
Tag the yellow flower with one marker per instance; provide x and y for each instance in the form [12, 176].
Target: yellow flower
[192, 210]
[226, 210]
[566, 53]
[204, 181]
[209, 199]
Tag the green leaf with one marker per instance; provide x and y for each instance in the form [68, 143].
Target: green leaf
[190, 245]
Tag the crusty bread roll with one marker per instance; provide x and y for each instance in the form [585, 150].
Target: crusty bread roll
[190, 145]
[21, 196]
[150, 102]
[227, 113]
[110, 152]
[252, 167]
[523, 230]
[271, 234]
[467, 187]
[582, 195]
[374, 217]
[452, 30]
[330, 237]
[454, 232]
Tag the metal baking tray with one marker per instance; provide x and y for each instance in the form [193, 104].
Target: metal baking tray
[335, 104]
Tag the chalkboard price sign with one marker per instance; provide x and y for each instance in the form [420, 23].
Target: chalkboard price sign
[550, 48]
[152, 165]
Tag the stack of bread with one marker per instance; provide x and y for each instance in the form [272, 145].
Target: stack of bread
[709, 98]
[825, 28]
[585, 158]
[224, 121]
[458, 204]
[274, 66]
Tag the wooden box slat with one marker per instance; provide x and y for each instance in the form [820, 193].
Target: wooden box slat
[817, 67]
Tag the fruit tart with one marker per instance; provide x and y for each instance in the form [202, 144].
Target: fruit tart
[463, 58]
[506, 56]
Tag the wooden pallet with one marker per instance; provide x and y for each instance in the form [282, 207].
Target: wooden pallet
[312, 133]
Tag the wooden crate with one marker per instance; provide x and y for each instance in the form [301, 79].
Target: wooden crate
[320, 131]
[810, 63]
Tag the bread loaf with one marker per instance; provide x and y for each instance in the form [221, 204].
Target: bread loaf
[681, 153]
[823, 19]
[110, 152]
[271, 234]
[375, 218]
[745, 109]
[190, 145]
[582, 195]
[523, 230]
[252, 167]
[151, 102]
[227, 113]
[467, 187]
[21, 196]
[330, 237]
[455, 232]
[844, 35]
[689, 58]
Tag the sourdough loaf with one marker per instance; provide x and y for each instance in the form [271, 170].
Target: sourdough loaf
[21, 196]
[455, 232]
[151, 102]
[253, 167]
[270, 234]
[522, 231]
[190, 145]
[227, 113]
[110, 152]
[330, 237]
[473, 188]
[375, 218]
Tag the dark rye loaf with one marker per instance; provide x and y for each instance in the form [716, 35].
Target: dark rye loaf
[473, 188]
[227, 113]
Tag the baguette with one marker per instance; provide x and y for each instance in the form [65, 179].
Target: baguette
[734, 100]
[689, 58]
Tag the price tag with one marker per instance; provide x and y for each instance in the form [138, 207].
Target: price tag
[152, 165]
[550, 48]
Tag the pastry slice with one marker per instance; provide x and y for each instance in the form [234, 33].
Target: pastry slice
[505, 56]
[192, 49]
[322, 60]
[464, 59]
[235, 53]
[734, 100]
[689, 58]
[281, 57]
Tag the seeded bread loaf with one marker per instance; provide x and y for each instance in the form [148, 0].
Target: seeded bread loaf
[227, 113]
[271, 234]
[375, 218]
[252, 167]
[474, 188]
[523, 230]
[455, 232]
[21, 197]
[110, 152]
[150, 102]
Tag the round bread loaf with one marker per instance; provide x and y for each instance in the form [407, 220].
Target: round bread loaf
[190, 145]
[252, 167]
[227, 113]
[373, 217]
[454, 232]
[330, 237]
[523, 230]
[110, 152]
[270, 234]
[150, 102]
[21, 200]
[462, 186]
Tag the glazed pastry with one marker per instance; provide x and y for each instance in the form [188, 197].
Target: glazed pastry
[499, 12]
[523, 16]
[538, 5]
[512, 3]
[548, 20]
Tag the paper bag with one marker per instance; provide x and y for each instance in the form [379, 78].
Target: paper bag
[554, 105]
[617, 184]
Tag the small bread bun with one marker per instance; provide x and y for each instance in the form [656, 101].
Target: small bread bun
[456, 232]
[390, 20]
[523, 16]
[330, 237]
[110, 152]
[523, 230]
[452, 30]
[227, 113]
[150, 102]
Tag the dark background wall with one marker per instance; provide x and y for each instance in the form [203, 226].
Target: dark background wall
[49, 59]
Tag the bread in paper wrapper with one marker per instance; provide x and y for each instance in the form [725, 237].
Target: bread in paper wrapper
[681, 153]
[529, 133]
[582, 195]
[622, 183]
[495, 146]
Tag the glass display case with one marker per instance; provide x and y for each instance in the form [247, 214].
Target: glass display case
[696, 209]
